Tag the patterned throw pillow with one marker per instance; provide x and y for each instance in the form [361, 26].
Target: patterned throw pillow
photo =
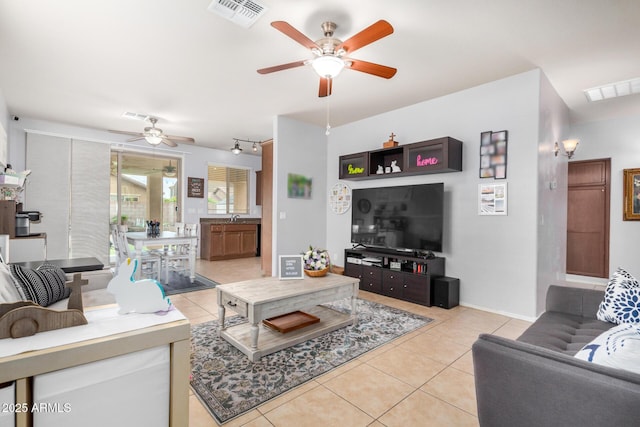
[44, 285]
[619, 347]
[621, 302]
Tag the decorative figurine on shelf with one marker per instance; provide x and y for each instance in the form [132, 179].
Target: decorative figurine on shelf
[380, 170]
[395, 167]
[142, 296]
[390, 142]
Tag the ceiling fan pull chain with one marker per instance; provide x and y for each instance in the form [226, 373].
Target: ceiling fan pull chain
[328, 131]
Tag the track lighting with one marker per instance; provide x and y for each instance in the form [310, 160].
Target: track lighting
[237, 150]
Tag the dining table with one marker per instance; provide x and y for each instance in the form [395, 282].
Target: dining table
[141, 239]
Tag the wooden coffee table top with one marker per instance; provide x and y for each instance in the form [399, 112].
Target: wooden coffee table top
[266, 289]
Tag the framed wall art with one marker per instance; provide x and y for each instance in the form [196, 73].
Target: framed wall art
[493, 154]
[631, 195]
[195, 187]
[298, 186]
[492, 199]
[340, 198]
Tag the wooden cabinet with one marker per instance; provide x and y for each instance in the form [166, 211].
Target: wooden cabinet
[410, 280]
[8, 218]
[354, 166]
[424, 157]
[227, 241]
[434, 156]
[258, 188]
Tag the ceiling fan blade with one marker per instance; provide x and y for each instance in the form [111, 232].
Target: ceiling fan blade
[137, 138]
[281, 67]
[181, 138]
[169, 142]
[122, 132]
[325, 87]
[371, 68]
[288, 30]
[367, 36]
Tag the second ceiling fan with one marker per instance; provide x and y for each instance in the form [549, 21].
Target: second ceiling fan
[155, 136]
[331, 53]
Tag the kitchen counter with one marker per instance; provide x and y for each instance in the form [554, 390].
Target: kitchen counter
[228, 221]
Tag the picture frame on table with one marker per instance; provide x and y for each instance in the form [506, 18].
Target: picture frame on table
[631, 191]
[291, 267]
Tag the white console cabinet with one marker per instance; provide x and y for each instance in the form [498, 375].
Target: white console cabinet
[24, 249]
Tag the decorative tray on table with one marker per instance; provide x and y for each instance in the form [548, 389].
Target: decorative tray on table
[291, 321]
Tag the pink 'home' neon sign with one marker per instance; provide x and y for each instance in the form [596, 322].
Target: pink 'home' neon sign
[427, 161]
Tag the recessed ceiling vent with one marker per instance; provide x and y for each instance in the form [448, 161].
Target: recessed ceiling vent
[242, 12]
[135, 116]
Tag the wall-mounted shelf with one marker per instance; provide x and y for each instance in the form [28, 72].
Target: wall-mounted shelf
[433, 156]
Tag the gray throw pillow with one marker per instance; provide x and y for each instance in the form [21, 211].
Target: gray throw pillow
[44, 285]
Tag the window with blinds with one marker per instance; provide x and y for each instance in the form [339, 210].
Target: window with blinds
[227, 190]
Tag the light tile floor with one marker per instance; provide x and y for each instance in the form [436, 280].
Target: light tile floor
[424, 378]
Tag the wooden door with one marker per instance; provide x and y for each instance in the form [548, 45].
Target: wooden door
[588, 218]
[266, 252]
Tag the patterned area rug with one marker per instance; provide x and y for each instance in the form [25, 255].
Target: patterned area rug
[229, 384]
[179, 284]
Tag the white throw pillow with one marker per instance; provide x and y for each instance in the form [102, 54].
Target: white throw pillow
[619, 347]
[621, 303]
[8, 290]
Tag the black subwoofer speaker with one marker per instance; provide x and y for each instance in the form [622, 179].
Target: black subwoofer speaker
[445, 292]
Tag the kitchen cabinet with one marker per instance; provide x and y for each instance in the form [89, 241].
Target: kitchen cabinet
[228, 240]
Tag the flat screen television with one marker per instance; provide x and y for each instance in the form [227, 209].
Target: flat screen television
[408, 217]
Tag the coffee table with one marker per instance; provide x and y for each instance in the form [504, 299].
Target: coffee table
[267, 297]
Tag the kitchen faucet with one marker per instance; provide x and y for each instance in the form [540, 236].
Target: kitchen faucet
[234, 218]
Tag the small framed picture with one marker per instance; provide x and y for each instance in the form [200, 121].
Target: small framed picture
[631, 195]
[492, 199]
[291, 267]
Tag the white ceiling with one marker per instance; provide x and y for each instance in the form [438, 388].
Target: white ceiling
[85, 62]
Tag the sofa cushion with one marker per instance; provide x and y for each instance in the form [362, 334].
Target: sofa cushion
[619, 347]
[43, 285]
[621, 302]
[562, 332]
[9, 292]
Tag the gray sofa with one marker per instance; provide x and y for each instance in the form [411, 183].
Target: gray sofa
[536, 381]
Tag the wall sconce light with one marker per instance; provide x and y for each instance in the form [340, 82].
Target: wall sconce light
[255, 147]
[569, 145]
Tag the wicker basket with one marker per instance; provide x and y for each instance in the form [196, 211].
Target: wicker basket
[317, 273]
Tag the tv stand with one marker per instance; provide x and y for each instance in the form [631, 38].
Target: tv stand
[404, 275]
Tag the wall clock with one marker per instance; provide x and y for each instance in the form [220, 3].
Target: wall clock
[340, 198]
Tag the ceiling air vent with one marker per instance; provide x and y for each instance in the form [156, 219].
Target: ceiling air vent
[134, 116]
[242, 12]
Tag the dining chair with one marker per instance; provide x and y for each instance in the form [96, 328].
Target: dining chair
[176, 257]
[151, 263]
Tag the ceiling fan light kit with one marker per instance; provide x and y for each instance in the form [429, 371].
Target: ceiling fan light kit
[328, 66]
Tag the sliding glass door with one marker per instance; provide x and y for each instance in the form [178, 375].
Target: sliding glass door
[144, 187]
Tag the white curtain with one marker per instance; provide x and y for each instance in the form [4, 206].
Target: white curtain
[69, 184]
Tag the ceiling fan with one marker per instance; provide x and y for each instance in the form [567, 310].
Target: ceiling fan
[155, 136]
[331, 53]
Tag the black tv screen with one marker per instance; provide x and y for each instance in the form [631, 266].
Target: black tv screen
[408, 217]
